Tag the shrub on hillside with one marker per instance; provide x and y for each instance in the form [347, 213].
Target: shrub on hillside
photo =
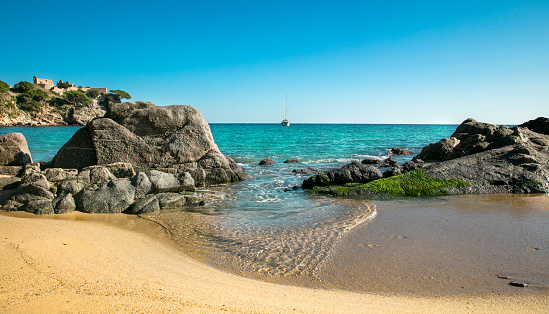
[77, 98]
[4, 87]
[23, 87]
[63, 85]
[93, 93]
[38, 95]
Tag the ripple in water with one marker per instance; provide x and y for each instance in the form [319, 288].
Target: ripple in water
[271, 243]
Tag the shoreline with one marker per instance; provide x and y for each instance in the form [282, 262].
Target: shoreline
[80, 262]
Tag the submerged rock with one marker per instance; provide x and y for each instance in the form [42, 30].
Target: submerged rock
[395, 151]
[267, 161]
[353, 172]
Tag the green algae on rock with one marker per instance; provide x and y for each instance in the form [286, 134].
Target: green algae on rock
[413, 183]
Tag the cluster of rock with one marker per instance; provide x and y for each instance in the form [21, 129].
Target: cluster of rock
[493, 159]
[113, 188]
[496, 159]
[173, 139]
[138, 158]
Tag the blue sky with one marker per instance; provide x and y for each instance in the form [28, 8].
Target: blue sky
[339, 62]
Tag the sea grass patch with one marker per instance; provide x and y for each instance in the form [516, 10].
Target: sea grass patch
[413, 183]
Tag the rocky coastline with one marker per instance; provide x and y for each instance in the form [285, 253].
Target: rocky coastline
[138, 158]
[478, 158]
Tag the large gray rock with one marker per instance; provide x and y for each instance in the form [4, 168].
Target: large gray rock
[471, 137]
[14, 150]
[539, 125]
[493, 159]
[114, 197]
[64, 204]
[353, 172]
[173, 139]
[167, 182]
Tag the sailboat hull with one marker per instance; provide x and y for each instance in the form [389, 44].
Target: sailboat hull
[285, 123]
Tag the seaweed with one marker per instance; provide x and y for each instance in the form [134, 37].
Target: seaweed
[413, 183]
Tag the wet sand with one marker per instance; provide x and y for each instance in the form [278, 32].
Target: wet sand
[447, 245]
[120, 263]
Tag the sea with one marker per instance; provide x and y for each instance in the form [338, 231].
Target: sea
[268, 228]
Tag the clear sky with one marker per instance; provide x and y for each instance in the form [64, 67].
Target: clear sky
[339, 61]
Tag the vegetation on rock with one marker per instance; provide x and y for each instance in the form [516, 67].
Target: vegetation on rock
[413, 183]
[77, 98]
[4, 87]
[93, 93]
[23, 87]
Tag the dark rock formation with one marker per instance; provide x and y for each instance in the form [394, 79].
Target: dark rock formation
[304, 171]
[353, 172]
[14, 150]
[539, 125]
[471, 137]
[267, 161]
[287, 161]
[389, 162]
[371, 161]
[174, 139]
[141, 159]
[395, 151]
[477, 158]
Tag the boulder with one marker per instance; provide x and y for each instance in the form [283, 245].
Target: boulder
[167, 182]
[471, 137]
[64, 204]
[121, 169]
[287, 161]
[304, 171]
[59, 174]
[114, 197]
[14, 150]
[389, 162]
[267, 161]
[173, 139]
[395, 151]
[146, 204]
[371, 161]
[142, 184]
[353, 172]
[39, 207]
[539, 125]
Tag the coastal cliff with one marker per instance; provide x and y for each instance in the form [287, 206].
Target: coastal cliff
[44, 104]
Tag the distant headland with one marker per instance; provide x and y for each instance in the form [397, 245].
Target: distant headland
[43, 103]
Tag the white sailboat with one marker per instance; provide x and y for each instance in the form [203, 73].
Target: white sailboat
[285, 122]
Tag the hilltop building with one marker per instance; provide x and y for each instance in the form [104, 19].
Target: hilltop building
[48, 85]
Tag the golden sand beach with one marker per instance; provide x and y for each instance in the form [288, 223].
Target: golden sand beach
[120, 263]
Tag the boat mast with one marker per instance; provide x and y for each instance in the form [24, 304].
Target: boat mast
[286, 113]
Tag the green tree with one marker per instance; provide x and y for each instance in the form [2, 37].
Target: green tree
[77, 98]
[23, 87]
[122, 94]
[57, 102]
[4, 87]
[63, 85]
[23, 99]
[92, 93]
[38, 95]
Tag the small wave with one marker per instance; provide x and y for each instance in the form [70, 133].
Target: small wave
[295, 246]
